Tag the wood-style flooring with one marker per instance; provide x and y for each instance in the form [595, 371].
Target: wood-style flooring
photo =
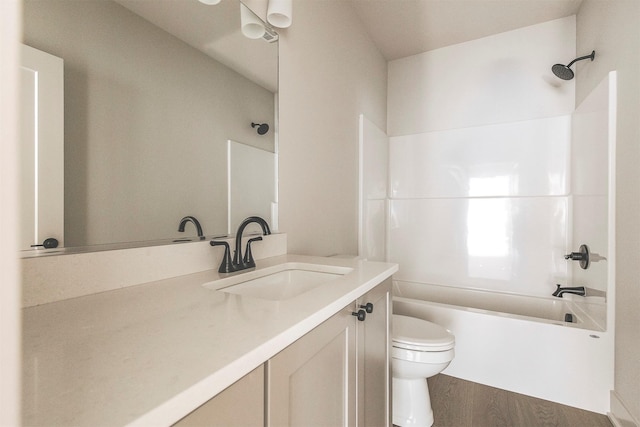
[460, 403]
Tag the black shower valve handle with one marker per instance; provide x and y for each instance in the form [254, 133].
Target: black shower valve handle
[575, 256]
[582, 256]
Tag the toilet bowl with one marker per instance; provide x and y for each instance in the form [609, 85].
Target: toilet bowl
[420, 349]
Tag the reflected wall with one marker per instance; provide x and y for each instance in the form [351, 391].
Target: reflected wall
[147, 119]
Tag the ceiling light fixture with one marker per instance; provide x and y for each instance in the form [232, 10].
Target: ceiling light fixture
[209, 2]
[252, 27]
[279, 13]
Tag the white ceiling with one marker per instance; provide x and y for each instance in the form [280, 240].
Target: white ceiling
[407, 27]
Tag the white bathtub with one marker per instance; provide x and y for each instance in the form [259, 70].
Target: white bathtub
[521, 343]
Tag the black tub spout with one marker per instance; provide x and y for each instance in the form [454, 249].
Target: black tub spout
[576, 290]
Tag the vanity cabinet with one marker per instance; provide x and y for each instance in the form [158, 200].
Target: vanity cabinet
[239, 405]
[310, 382]
[338, 374]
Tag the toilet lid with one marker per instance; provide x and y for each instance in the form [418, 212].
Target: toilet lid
[417, 334]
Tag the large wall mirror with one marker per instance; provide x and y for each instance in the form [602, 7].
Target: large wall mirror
[155, 95]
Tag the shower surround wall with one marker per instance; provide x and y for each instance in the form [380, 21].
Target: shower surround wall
[480, 136]
[493, 177]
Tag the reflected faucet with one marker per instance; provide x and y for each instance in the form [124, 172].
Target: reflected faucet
[577, 290]
[239, 262]
[195, 222]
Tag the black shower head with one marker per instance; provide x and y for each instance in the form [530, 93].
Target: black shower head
[564, 71]
[262, 128]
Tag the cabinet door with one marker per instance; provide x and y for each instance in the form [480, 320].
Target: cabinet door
[239, 405]
[374, 363]
[312, 382]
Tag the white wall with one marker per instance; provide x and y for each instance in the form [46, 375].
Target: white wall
[502, 78]
[483, 207]
[374, 181]
[479, 162]
[330, 73]
[612, 30]
[593, 147]
[9, 276]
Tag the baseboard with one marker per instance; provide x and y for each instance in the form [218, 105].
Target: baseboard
[620, 415]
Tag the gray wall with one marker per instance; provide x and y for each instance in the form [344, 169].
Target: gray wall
[330, 72]
[146, 122]
[612, 29]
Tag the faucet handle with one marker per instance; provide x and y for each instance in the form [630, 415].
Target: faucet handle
[248, 256]
[226, 266]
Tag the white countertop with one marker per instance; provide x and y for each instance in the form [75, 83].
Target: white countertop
[152, 353]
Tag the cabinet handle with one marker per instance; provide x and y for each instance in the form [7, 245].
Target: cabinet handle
[368, 307]
[360, 314]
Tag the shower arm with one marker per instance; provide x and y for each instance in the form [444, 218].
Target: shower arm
[590, 56]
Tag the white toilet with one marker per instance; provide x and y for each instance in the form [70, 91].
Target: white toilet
[420, 349]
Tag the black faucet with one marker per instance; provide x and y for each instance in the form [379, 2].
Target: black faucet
[239, 262]
[195, 222]
[577, 290]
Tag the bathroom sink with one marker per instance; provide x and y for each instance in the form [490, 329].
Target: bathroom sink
[280, 282]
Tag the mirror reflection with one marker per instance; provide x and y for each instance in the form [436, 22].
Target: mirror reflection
[153, 93]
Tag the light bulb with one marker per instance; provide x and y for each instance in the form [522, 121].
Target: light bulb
[252, 27]
[279, 13]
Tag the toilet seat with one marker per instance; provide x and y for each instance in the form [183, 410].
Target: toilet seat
[410, 333]
[423, 357]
